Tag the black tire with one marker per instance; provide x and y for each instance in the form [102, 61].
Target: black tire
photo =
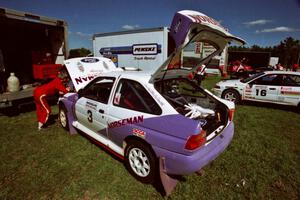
[140, 161]
[231, 95]
[63, 117]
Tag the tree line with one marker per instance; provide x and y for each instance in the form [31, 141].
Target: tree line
[287, 50]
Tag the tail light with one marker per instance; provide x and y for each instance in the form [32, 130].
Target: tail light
[231, 114]
[196, 141]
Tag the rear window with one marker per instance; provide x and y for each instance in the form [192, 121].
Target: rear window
[192, 54]
[180, 92]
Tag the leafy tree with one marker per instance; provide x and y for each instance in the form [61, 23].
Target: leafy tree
[287, 50]
[256, 48]
[82, 52]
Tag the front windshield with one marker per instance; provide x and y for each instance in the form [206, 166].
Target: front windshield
[245, 80]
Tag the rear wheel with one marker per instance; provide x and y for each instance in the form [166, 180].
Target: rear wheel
[63, 117]
[231, 95]
[140, 161]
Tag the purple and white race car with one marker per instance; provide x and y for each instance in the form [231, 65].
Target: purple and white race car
[160, 121]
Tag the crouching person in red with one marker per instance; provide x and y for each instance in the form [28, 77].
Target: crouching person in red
[43, 110]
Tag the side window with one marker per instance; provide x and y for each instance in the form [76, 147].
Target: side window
[291, 80]
[271, 79]
[132, 95]
[99, 90]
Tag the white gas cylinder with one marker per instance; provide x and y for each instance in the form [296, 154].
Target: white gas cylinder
[13, 83]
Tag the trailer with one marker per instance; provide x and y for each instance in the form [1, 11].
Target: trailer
[142, 49]
[33, 47]
[147, 49]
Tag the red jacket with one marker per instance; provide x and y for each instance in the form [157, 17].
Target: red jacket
[50, 88]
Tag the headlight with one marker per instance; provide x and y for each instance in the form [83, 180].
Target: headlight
[217, 87]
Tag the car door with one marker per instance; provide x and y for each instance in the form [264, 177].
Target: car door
[91, 108]
[131, 105]
[266, 88]
[290, 89]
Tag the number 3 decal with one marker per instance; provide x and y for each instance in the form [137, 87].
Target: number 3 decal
[262, 92]
[90, 116]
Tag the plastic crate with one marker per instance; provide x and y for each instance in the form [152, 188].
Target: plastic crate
[46, 71]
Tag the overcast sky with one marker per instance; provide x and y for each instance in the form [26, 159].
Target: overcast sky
[261, 22]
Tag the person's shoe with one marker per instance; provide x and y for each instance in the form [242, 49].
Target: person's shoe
[40, 126]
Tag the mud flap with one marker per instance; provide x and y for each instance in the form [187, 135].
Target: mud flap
[72, 130]
[168, 182]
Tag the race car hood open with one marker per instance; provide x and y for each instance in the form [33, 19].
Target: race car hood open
[192, 26]
[83, 70]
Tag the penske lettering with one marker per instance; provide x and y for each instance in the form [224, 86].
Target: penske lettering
[144, 49]
[123, 122]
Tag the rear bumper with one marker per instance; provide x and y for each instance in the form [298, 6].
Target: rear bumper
[179, 164]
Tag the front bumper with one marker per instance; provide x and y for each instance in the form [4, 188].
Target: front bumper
[179, 164]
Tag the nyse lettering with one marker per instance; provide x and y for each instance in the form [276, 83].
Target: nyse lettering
[79, 80]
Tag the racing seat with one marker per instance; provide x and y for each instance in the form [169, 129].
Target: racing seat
[128, 100]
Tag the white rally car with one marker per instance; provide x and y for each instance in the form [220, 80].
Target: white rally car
[161, 120]
[281, 87]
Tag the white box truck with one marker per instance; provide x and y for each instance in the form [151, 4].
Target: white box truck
[31, 46]
[146, 49]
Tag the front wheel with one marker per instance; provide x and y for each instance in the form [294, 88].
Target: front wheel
[140, 161]
[231, 95]
[63, 118]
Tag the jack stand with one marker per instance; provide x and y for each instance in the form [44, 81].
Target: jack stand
[168, 182]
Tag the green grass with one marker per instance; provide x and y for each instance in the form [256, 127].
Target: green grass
[264, 155]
